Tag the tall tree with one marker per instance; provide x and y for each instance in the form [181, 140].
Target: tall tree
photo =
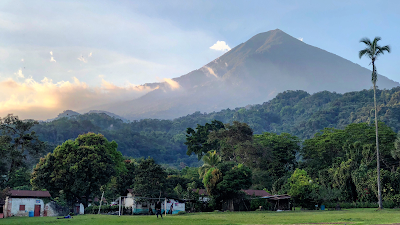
[18, 143]
[372, 51]
[150, 179]
[197, 141]
[234, 141]
[78, 168]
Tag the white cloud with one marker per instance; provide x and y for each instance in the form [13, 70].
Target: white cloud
[19, 74]
[220, 46]
[82, 59]
[22, 60]
[90, 55]
[300, 38]
[52, 59]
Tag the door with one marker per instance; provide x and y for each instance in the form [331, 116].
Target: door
[78, 209]
[37, 210]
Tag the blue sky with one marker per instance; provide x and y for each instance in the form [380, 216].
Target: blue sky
[108, 47]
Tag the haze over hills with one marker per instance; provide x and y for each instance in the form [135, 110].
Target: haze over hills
[252, 72]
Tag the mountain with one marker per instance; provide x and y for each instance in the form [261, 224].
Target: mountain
[109, 114]
[65, 113]
[252, 72]
[296, 112]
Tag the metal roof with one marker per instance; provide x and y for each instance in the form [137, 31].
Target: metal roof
[25, 193]
[277, 197]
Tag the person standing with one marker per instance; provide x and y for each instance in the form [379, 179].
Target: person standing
[171, 208]
[158, 209]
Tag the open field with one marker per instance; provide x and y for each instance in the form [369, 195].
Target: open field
[353, 216]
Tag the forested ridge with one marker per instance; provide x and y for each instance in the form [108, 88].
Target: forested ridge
[294, 112]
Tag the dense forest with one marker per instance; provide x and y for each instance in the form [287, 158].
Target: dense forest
[294, 112]
[319, 148]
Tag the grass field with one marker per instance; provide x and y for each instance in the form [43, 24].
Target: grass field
[351, 216]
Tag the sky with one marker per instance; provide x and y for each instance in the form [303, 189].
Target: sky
[58, 55]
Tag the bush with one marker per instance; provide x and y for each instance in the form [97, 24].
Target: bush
[104, 209]
[181, 212]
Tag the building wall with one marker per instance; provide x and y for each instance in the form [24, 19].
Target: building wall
[14, 203]
[53, 209]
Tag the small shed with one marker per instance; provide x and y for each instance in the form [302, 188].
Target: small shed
[21, 202]
[279, 202]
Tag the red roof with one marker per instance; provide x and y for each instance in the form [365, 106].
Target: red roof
[258, 193]
[24, 193]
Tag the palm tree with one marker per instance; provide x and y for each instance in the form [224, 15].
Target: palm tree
[210, 159]
[373, 50]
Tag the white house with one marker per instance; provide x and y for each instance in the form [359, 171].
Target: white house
[21, 202]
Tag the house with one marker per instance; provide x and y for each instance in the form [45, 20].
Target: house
[36, 203]
[21, 202]
[141, 205]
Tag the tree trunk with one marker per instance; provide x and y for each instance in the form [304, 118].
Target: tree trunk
[378, 166]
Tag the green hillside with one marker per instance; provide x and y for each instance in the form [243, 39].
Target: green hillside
[294, 112]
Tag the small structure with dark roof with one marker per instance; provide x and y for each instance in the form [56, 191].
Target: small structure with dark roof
[21, 202]
[279, 202]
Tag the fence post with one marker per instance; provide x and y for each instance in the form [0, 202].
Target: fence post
[100, 201]
[119, 207]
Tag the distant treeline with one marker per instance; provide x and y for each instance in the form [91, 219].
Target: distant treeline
[294, 112]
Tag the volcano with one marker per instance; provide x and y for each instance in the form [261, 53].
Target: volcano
[251, 73]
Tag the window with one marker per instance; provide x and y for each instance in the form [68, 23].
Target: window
[21, 207]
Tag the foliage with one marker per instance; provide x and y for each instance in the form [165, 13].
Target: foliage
[18, 147]
[257, 202]
[295, 112]
[283, 149]
[103, 209]
[150, 179]
[197, 141]
[231, 141]
[301, 188]
[78, 168]
[210, 159]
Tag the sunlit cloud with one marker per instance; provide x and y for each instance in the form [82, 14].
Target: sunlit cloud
[22, 60]
[19, 74]
[220, 46]
[172, 84]
[46, 98]
[82, 59]
[90, 55]
[300, 38]
[51, 58]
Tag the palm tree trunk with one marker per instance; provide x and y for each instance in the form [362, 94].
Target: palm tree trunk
[378, 166]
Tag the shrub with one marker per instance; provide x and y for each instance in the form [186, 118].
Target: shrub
[181, 212]
[104, 209]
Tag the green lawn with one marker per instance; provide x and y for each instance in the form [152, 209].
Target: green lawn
[352, 216]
